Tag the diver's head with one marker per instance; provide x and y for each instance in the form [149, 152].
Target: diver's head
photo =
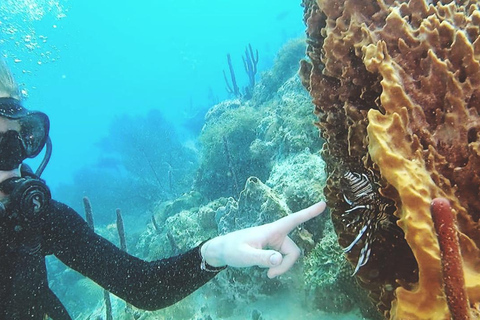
[23, 133]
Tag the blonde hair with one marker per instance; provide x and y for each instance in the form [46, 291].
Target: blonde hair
[8, 86]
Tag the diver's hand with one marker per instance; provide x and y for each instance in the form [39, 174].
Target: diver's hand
[266, 246]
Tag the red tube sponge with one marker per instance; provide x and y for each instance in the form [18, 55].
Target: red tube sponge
[452, 267]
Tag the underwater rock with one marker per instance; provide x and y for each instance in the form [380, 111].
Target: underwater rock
[222, 107]
[230, 205]
[396, 87]
[180, 232]
[164, 231]
[323, 269]
[206, 217]
[256, 315]
[186, 201]
[226, 161]
[286, 126]
[328, 279]
[299, 179]
[258, 204]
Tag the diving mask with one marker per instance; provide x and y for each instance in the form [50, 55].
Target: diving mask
[29, 141]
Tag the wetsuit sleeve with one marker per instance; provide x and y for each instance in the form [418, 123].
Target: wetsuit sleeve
[146, 285]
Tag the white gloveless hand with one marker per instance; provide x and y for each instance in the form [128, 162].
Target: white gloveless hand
[266, 246]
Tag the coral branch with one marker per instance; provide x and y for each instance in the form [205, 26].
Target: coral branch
[121, 230]
[173, 243]
[250, 61]
[452, 267]
[123, 247]
[89, 219]
[233, 89]
[108, 305]
[88, 212]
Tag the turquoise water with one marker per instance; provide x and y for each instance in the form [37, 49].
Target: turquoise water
[128, 87]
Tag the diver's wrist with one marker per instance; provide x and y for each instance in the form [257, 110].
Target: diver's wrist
[211, 253]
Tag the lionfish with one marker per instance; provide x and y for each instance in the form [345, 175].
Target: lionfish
[367, 213]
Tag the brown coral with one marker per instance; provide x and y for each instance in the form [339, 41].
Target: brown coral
[396, 86]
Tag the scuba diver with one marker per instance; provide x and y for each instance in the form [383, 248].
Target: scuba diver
[33, 225]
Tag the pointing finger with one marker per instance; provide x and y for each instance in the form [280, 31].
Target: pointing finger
[290, 222]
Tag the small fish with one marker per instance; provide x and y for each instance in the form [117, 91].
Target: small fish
[367, 212]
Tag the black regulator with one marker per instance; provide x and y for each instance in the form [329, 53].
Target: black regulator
[27, 199]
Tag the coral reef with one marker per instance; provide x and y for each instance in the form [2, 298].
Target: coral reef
[285, 66]
[328, 279]
[186, 201]
[286, 125]
[396, 87]
[179, 233]
[289, 173]
[236, 126]
[255, 198]
[242, 139]
[323, 274]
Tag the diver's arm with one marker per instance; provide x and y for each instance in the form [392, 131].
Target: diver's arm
[146, 285]
[266, 246]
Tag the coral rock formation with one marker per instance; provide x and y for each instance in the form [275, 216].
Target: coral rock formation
[396, 86]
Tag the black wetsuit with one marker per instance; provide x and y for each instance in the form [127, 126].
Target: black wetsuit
[24, 292]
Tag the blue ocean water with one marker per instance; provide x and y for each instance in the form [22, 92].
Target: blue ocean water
[86, 62]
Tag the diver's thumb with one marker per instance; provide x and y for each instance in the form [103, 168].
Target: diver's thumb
[266, 258]
[275, 259]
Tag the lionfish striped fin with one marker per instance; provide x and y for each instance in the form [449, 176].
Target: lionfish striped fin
[354, 242]
[365, 212]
